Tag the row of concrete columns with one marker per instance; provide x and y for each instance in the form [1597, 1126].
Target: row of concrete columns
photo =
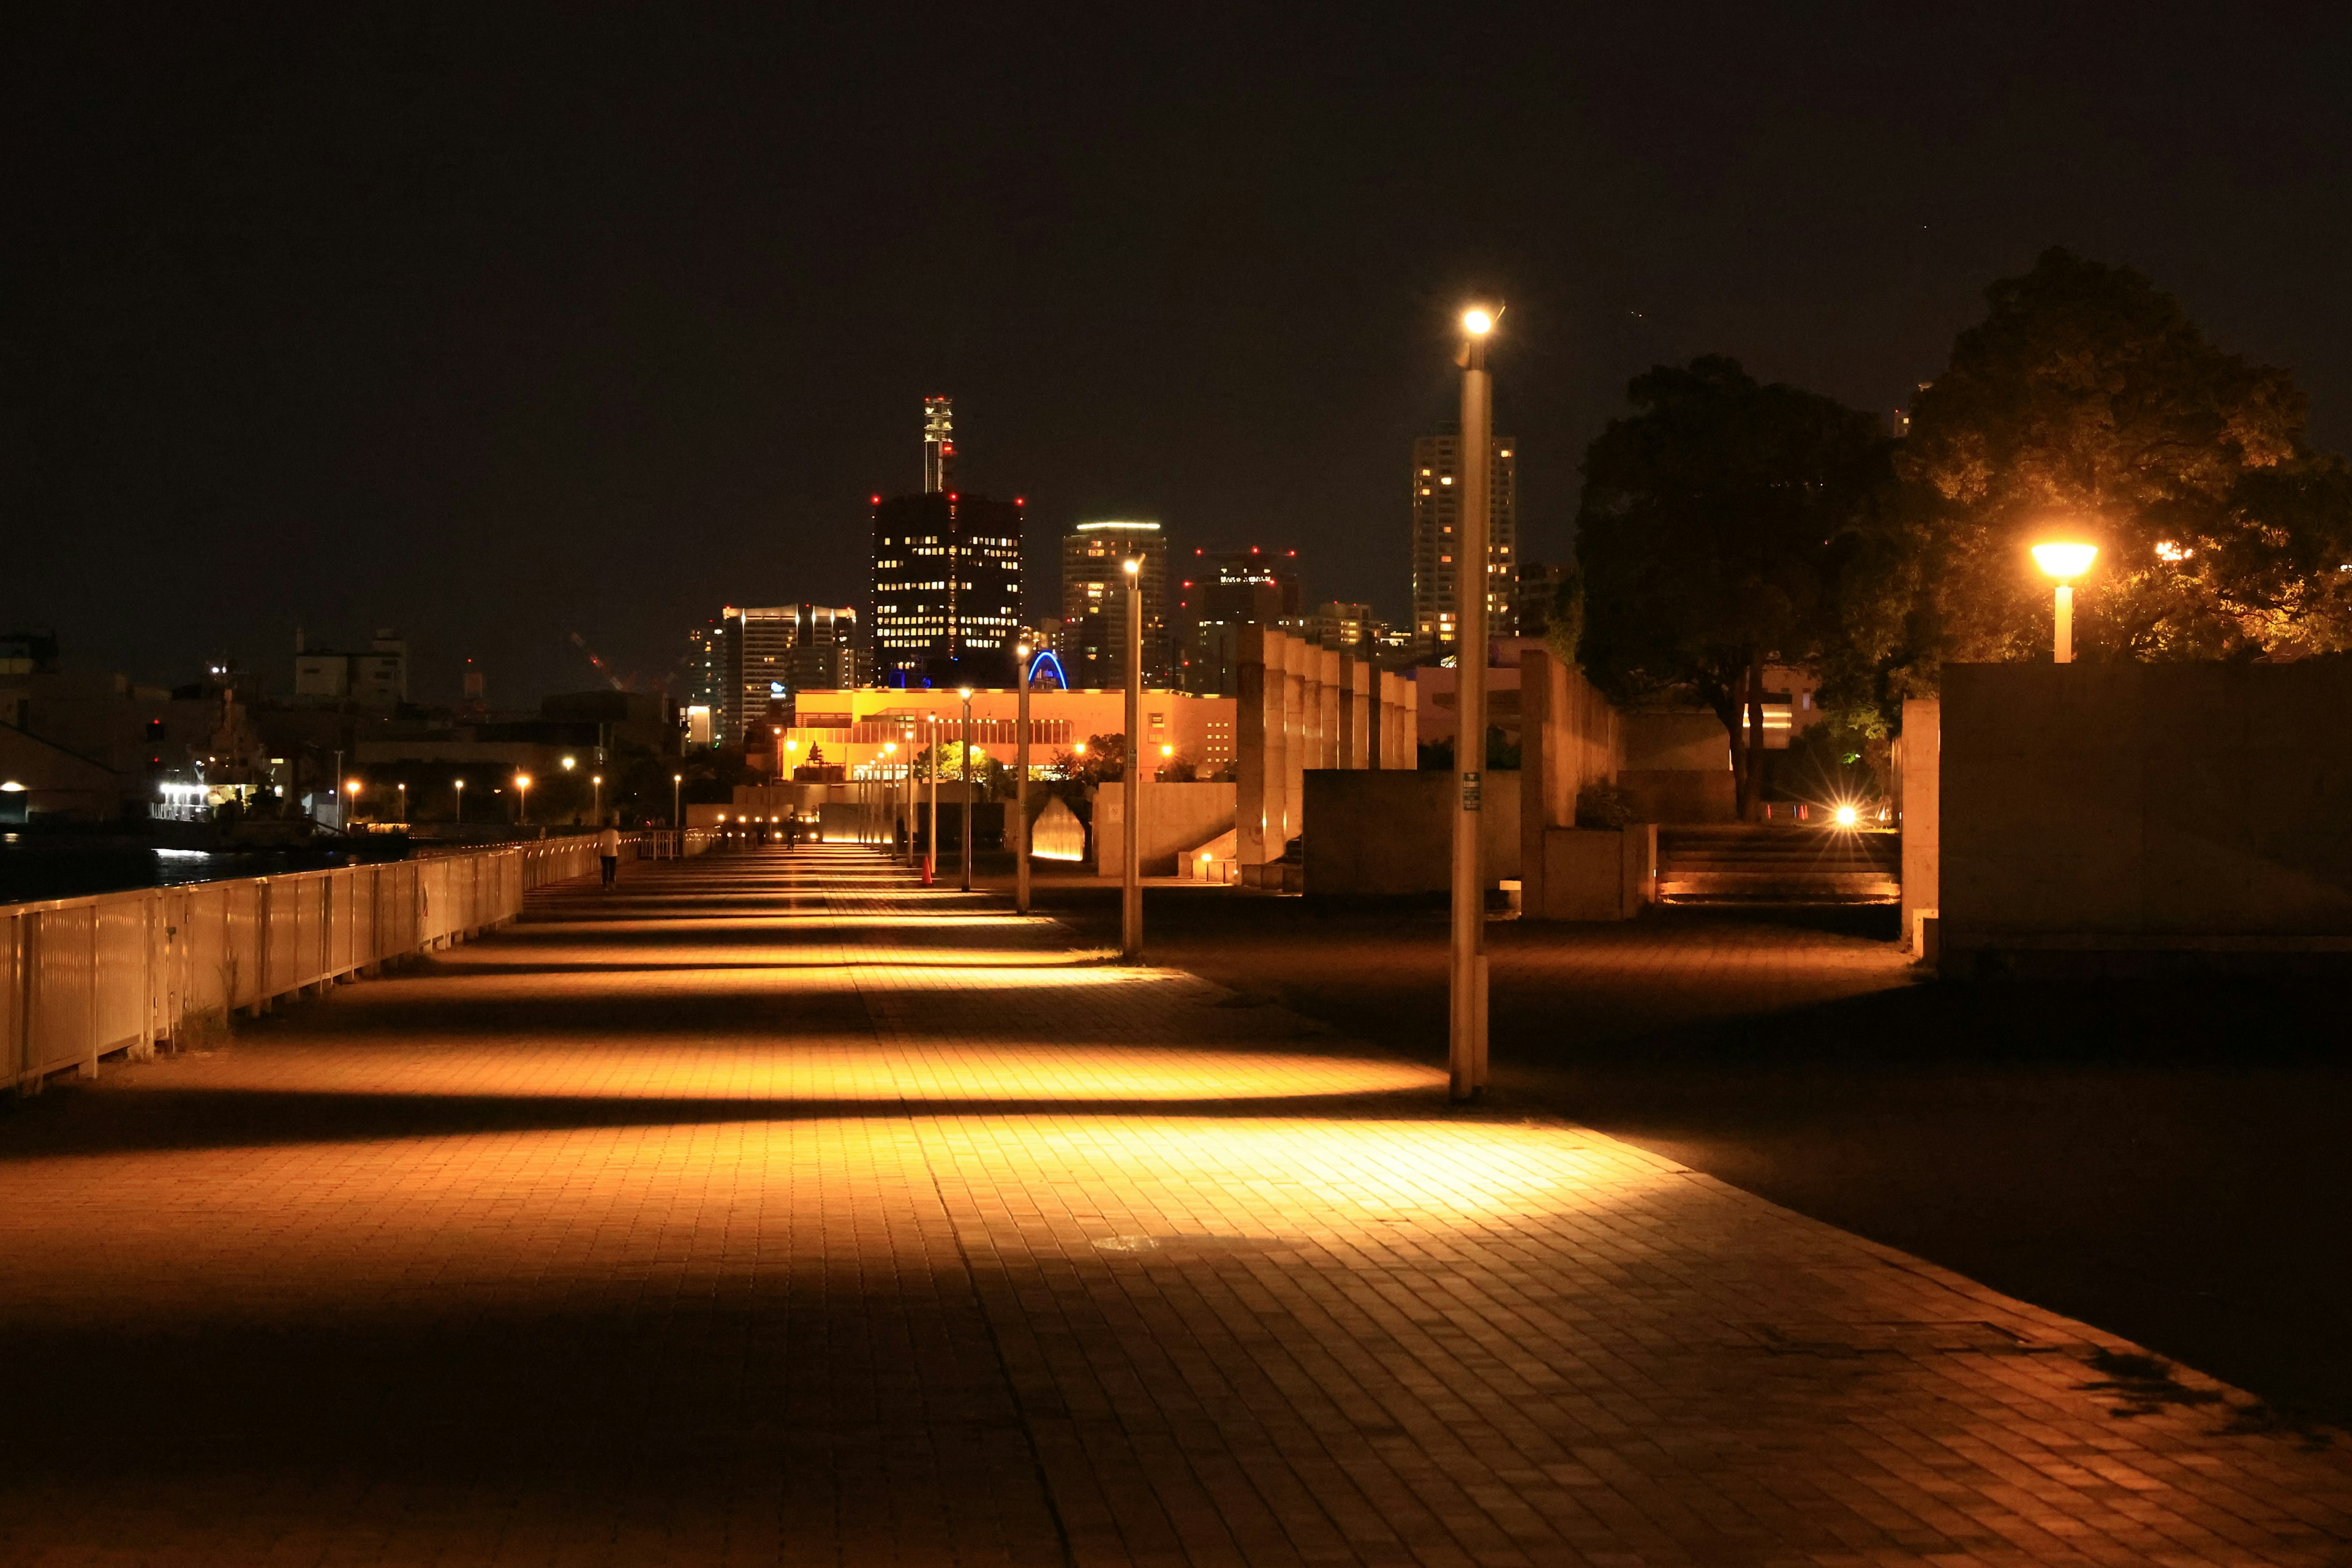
[1304, 706]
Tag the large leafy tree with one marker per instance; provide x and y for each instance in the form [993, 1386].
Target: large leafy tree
[2087, 404]
[1716, 523]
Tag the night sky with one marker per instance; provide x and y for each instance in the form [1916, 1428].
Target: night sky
[496, 325]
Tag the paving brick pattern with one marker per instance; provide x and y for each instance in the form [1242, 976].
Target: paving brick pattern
[772, 1210]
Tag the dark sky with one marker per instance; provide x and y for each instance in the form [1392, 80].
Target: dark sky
[496, 325]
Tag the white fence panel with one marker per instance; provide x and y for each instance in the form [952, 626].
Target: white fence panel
[80, 978]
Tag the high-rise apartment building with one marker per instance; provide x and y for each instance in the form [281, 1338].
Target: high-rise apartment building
[1219, 595]
[761, 657]
[947, 575]
[755, 648]
[827, 653]
[1093, 648]
[1437, 517]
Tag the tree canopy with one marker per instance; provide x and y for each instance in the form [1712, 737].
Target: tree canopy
[2086, 404]
[1714, 527]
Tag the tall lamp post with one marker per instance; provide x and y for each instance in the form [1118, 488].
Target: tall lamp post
[2065, 562]
[522, 787]
[1130, 903]
[677, 789]
[1466, 1036]
[352, 787]
[461, 802]
[403, 787]
[1020, 787]
[966, 693]
[596, 782]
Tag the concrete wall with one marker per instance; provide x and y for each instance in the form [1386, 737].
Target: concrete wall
[1685, 739]
[1390, 832]
[1591, 874]
[1568, 744]
[1680, 794]
[1176, 817]
[2145, 807]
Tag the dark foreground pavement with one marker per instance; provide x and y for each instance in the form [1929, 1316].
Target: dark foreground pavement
[770, 1210]
[2166, 1158]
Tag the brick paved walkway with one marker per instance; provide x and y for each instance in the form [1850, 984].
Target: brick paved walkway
[772, 1210]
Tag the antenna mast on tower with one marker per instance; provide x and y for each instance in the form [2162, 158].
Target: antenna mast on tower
[939, 444]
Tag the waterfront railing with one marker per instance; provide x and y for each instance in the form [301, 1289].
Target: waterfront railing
[89, 978]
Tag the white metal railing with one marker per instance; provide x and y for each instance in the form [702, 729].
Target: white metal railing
[81, 978]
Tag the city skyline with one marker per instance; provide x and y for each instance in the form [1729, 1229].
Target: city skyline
[488, 292]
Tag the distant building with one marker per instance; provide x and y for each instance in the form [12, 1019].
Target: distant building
[827, 653]
[1217, 594]
[947, 575]
[1436, 514]
[764, 654]
[1539, 587]
[1094, 602]
[755, 652]
[377, 678]
[1336, 624]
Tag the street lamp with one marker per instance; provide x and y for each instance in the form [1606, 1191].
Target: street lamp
[1167, 755]
[461, 801]
[352, 787]
[597, 810]
[677, 785]
[2065, 562]
[1466, 1033]
[523, 785]
[1130, 902]
[403, 787]
[1021, 785]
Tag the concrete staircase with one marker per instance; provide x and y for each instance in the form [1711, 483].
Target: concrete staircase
[1778, 864]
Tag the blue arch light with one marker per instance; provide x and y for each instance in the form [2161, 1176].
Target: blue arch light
[1045, 657]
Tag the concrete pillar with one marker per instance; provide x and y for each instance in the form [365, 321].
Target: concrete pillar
[1920, 762]
[1258, 768]
[1294, 733]
[1325, 663]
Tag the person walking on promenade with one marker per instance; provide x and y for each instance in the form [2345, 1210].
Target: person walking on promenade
[608, 849]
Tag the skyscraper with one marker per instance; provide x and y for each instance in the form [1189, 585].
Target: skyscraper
[1219, 595]
[1436, 460]
[1094, 602]
[827, 653]
[755, 651]
[947, 575]
[762, 658]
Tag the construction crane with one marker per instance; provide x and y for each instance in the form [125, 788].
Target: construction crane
[601, 668]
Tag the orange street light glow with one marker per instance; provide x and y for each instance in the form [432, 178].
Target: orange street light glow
[2065, 561]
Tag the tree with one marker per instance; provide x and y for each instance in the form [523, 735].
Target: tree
[2087, 404]
[1715, 526]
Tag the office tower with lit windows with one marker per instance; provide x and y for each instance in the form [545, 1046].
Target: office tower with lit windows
[1436, 513]
[1216, 596]
[1094, 602]
[947, 575]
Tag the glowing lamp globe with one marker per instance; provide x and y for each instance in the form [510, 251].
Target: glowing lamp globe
[2065, 561]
